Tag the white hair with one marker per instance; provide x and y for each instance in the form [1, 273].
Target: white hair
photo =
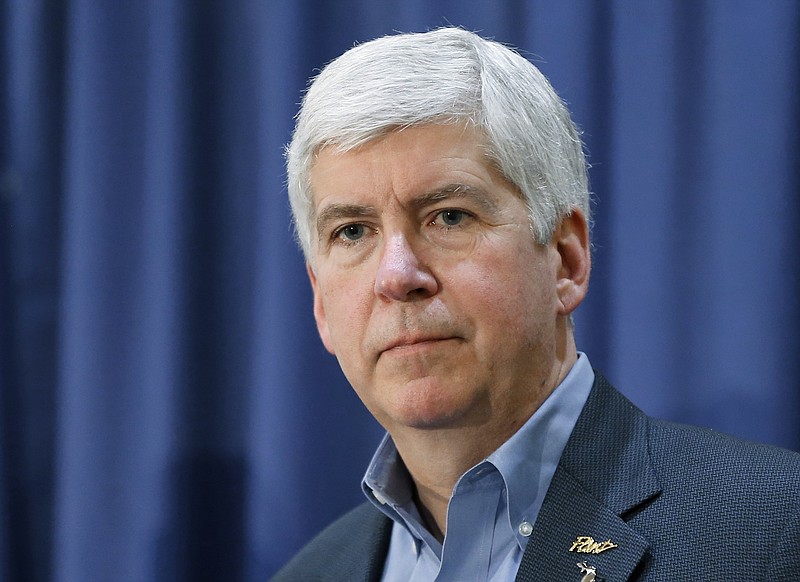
[445, 76]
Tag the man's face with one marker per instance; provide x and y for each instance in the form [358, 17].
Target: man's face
[429, 288]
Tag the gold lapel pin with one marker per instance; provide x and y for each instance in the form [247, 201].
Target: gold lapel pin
[587, 545]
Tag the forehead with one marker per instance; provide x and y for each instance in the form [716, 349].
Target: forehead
[402, 163]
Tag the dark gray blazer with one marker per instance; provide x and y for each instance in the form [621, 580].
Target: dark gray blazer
[681, 504]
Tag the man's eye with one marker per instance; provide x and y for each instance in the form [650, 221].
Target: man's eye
[451, 217]
[351, 232]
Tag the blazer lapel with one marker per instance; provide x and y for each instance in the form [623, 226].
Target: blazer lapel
[603, 475]
[375, 535]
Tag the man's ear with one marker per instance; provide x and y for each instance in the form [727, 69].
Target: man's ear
[571, 240]
[319, 310]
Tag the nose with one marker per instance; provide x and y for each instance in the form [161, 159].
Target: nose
[401, 276]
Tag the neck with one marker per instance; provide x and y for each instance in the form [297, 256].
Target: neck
[437, 458]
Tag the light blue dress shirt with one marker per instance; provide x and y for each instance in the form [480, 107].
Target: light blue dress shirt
[494, 505]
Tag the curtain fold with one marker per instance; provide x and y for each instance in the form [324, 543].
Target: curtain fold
[167, 411]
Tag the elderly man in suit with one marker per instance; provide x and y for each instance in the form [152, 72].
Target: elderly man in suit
[440, 195]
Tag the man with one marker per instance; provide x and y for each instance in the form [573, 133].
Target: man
[440, 196]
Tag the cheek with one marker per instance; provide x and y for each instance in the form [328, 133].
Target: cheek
[346, 309]
[506, 294]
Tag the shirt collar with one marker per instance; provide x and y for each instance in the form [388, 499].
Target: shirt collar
[528, 460]
[387, 480]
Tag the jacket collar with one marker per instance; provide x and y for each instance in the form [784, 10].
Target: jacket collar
[604, 474]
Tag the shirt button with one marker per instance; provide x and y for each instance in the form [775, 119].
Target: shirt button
[525, 528]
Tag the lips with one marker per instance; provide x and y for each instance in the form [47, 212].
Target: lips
[410, 342]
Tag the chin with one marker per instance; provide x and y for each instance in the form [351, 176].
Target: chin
[426, 405]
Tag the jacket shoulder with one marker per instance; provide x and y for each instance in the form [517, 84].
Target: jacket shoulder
[351, 548]
[704, 501]
[729, 496]
[716, 457]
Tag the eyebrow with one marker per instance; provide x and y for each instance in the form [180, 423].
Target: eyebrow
[455, 191]
[337, 212]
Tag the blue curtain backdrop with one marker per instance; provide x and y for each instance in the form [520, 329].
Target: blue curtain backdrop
[167, 412]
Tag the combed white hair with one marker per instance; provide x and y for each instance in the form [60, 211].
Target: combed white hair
[445, 76]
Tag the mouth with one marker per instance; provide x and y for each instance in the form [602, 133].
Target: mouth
[406, 345]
